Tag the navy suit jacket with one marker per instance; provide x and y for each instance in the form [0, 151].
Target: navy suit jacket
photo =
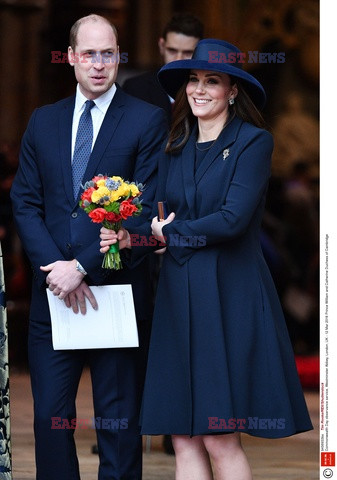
[147, 88]
[50, 222]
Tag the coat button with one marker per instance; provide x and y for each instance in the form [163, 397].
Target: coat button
[74, 215]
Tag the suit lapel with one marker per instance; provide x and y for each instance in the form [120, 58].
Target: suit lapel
[65, 131]
[225, 139]
[107, 130]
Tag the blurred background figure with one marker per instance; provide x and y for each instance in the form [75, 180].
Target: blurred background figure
[16, 265]
[301, 214]
[179, 38]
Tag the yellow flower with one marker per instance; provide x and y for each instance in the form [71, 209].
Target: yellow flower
[101, 183]
[100, 193]
[117, 179]
[123, 190]
[134, 190]
[114, 195]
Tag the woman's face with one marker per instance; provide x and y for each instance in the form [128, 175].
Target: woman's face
[208, 94]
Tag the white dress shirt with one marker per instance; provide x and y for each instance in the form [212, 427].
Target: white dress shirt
[97, 113]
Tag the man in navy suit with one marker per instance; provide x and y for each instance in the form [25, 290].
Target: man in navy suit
[179, 38]
[63, 247]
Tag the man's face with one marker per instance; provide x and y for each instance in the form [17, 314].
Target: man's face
[177, 46]
[95, 59]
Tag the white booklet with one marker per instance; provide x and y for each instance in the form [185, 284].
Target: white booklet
[113, 325]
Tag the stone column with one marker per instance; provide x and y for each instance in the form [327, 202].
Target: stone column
[5, 433]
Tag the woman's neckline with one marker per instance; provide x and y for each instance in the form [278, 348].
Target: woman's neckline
[228, 121]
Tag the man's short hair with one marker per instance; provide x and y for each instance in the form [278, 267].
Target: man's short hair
[186, 24]
[89, 18]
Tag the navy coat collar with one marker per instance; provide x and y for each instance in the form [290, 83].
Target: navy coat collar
[191, 178]
[107, 130]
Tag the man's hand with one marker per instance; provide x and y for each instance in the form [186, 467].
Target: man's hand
[76, 299]
[63, 277]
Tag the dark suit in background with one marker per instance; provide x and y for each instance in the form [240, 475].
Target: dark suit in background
[147, 88]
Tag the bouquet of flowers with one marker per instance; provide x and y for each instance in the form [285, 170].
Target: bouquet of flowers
[110, 200]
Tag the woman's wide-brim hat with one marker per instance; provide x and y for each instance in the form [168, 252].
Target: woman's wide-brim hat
[213, 55]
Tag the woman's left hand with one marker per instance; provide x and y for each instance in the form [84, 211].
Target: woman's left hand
[157, 226]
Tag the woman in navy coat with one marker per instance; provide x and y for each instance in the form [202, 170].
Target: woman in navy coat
[220, 360]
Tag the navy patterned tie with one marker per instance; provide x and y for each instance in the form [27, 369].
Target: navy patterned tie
[83, 146]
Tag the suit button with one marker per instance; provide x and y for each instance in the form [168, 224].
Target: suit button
[74, 215]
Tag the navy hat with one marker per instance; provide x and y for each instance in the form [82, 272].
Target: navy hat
[217, 56]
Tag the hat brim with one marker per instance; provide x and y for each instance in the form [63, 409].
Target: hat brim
[172, 76]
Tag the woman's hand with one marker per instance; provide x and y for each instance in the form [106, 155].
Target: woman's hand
[157, 226]
[161, 251]
[109, 237]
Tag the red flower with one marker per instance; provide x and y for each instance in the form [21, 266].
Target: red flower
[113, 217]
[86, 195]
[97, 215]
[126, 209]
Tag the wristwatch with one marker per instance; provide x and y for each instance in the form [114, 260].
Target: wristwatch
[79, 268]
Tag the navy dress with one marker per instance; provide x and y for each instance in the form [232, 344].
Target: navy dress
[220, 358]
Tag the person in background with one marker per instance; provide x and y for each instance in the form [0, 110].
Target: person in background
[100, 130]
[220, 360]
[180, 36]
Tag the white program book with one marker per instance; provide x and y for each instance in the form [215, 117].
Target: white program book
[113, 325]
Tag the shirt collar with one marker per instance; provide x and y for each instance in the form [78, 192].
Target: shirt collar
[102, 102]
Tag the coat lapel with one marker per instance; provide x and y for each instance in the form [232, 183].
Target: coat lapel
[65, 131]
[187, 165]
[226, 138]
